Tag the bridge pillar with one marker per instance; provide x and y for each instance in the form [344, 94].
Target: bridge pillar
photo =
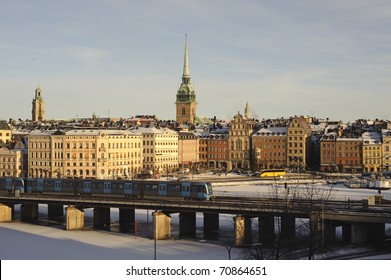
[162, 226]
[359, 233]
[5, 213]
[211, 222]
[55, 211]
[288, 227]
[102, 218]
[346, 232]
[127, 218]
[376, 231]
[242, 228]
[266, 229]
[74, 218]
[325, 229]
[29, 212]
[187, 223]
[329, 231]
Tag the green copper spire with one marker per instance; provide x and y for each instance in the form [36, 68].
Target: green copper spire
[186, 91]
[186, 104]
[186, 71]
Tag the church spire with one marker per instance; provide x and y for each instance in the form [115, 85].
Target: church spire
[186, 71]
[247, 111]
[186, 98]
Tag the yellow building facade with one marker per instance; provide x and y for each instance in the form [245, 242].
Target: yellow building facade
[86, 153]
[386, 150]
[160, 150]
[11, 163]
[372, 152]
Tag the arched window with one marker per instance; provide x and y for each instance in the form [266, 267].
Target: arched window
[183, 111]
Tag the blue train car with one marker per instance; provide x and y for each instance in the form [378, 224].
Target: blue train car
[120, 188]
[10, 185]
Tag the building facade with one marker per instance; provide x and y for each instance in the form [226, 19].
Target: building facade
[269, 147]
[328, 161]
[11, 163]
[299, 140]
[38, 110]
[160, 150]
[349, 154]
[240, 130]
[186, 104]
[372, 152]
[386, 152]
[203, 150]
[217, 151]
[87, 153]
[188, 150]
[5, 133]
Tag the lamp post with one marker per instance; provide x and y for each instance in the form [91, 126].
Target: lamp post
[154, 234]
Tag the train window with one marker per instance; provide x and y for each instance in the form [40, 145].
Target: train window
[154, 187]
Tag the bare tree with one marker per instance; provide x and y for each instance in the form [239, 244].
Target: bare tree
[283, 198]
[314, 198]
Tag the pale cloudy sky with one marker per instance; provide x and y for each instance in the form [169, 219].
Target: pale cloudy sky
[326, 58]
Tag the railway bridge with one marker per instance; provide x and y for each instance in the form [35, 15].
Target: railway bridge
[361, 221]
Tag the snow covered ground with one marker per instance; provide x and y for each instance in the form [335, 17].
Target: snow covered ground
[49, 241]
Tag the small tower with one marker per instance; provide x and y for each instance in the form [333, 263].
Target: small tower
[38, 111]
[247, 111]
[186, 99]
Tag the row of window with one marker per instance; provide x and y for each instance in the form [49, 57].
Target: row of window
[295, 138]
[10, 167]
[274, 154]
[84, 145]
[373, 154]
[7, 159]
[217, 156]
[295, 151]
[372, 161]
[260, 142]
[150, 159]
[217, 149]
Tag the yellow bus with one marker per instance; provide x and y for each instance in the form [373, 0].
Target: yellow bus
[273, 173]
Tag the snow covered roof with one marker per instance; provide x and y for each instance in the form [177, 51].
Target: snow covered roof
[370, 138]
[154, 130]
[329, 136]
[272, 131]
[386, 132]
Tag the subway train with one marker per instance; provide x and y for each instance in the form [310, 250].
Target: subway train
[109, 188]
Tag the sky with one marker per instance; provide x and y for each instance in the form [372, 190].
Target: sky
[118, 58]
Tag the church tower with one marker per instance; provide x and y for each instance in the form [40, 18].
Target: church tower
[186, 99]
[38, 111]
